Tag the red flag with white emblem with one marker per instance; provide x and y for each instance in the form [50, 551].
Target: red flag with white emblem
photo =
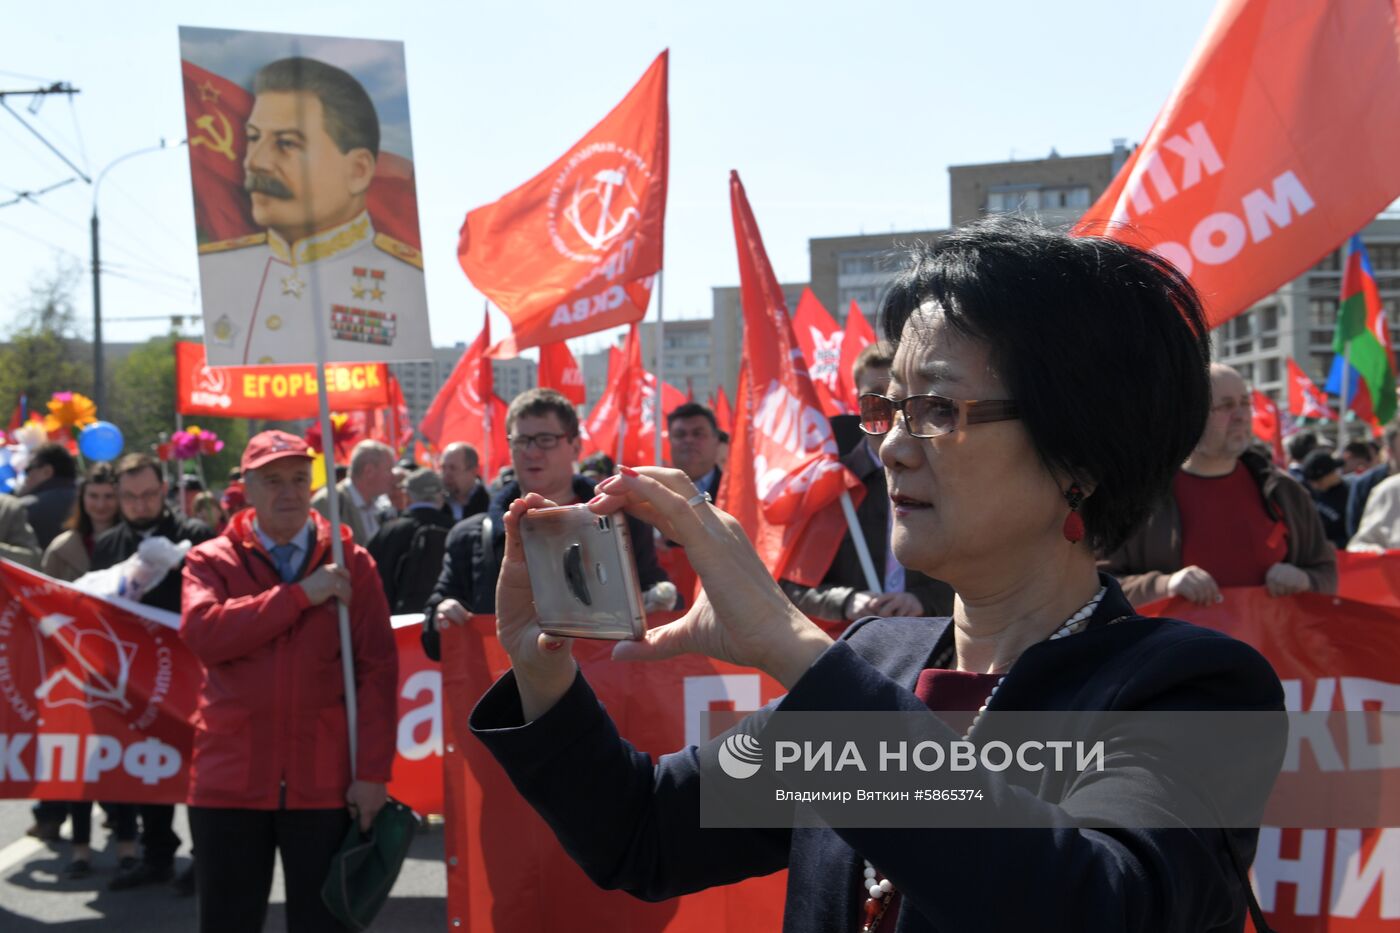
[560, 371]
[822, 342]
[466, 408]
[574, 249]
[1305, 399]
[784, 477]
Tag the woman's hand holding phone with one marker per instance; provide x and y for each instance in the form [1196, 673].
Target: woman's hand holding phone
[741, 616]
[544, 664]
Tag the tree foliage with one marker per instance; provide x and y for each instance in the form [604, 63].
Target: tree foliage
[143, 406]
[45, 352]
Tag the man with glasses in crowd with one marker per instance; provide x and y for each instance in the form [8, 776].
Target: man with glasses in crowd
[542, 426]
[143, 513]
[1232, 519]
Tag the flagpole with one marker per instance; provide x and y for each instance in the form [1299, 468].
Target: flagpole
[1346, 384]
[486, 402]
[347, 650]
[872, 581]
[347, 656]
[179, 466]
[659, 416]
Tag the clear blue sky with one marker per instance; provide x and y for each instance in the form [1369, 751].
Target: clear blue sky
[840, 120]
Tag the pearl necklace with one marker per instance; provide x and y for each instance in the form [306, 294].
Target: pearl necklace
[881, 891]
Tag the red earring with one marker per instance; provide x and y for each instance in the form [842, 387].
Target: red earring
[1073, 529]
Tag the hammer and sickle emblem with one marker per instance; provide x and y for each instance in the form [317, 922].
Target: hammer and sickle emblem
[220, 142]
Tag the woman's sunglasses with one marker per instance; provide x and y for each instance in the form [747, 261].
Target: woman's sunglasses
[930, 415]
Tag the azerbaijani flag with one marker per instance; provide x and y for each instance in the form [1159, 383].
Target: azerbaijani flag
[1363, 339]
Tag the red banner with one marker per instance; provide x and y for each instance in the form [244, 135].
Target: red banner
[574, 249]
[1277, 144]
[506, 871]
[418, 762]
[1332, 655]
[97, 695]
[1369, 578]
[280, 393]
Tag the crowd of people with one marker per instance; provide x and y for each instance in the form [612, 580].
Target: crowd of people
[1026, 498]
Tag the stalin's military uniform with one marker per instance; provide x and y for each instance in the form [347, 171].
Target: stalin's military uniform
[258, 293]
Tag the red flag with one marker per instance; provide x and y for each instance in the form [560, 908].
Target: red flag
[216, 111]
[574, 249]
[1305, 399]
[600, 431]
[723, 413]
[81, 672]
[1250, 173]
[689, 390]
[466, 408]
[784, 476]
[859, 335]
[822, 342]
[1268, 425]
[644, 414]
[400, 426]
[560, 371]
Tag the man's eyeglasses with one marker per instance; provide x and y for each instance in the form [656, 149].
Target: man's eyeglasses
[545, 440]
[930, 415]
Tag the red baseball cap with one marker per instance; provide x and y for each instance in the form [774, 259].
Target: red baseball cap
[274, 445]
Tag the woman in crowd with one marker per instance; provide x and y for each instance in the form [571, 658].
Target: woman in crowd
[208, 510]
[1045, 388]
[67, 558]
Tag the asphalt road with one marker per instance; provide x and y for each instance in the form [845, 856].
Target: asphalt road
[34, 897]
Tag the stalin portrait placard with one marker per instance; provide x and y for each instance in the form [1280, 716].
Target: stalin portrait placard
[304, 198]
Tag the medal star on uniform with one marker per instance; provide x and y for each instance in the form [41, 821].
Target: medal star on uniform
[292, 285]
[377, 293]
[357, 290]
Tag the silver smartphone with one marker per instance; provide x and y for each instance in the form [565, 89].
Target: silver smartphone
[583, 574]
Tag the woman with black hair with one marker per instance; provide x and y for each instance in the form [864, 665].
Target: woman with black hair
[1045, 388]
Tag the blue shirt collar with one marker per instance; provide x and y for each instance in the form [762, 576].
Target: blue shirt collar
[302, 542]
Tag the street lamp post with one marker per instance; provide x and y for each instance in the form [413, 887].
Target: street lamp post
[98, 376]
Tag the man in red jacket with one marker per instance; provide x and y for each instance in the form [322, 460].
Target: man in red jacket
[271, 765]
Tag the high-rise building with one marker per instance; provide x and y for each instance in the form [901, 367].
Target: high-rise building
[727, 333]
[420, 380]
[686, 357]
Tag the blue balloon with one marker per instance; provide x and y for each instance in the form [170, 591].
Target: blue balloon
[101, 440]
